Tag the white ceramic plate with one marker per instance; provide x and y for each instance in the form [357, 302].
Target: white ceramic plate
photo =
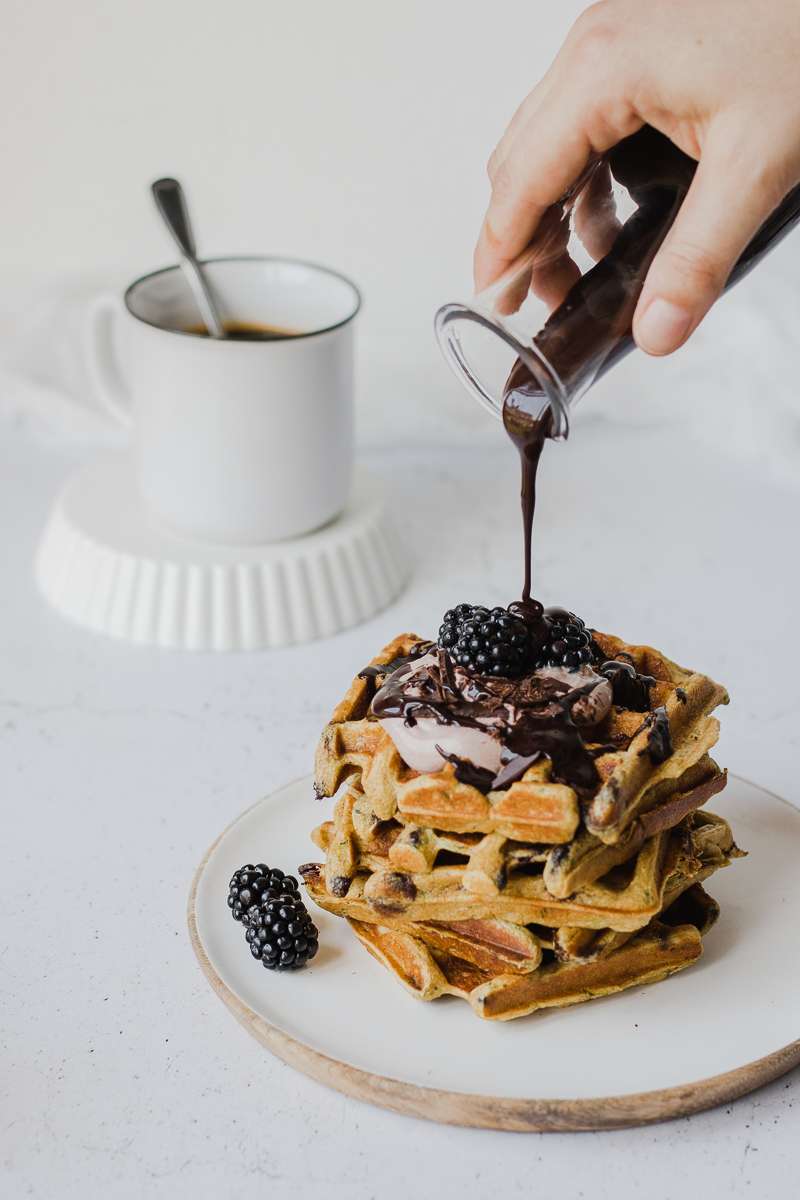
[714, 1031]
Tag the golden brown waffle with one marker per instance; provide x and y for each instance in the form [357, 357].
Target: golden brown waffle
[628, 776]
[533, 896]
[625, 899]
[429, 969]
[536, 809]
[585, 945]
[498, 947]
[355, 840]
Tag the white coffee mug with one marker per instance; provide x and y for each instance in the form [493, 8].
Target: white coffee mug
[235, 440]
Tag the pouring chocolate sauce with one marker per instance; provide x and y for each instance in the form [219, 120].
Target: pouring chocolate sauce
[526, 417]
[590, 329]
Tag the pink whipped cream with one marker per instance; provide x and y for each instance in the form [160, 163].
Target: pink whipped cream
[430, 716]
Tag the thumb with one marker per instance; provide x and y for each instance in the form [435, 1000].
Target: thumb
[724, 207]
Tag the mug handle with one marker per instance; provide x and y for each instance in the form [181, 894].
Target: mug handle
[108, 385]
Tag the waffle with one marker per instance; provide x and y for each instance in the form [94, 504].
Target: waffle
[535, 809]
[537, 895]
[626, 899]
[357, 840]
[431, 969]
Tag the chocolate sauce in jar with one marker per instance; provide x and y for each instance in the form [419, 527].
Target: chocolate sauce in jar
[591, 328]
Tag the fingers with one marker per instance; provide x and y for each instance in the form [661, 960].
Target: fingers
[596, 221]
[537, 169]
[552, 282]
[547, 269]
[725, 205]
[528, 106]
[524, 113]
[553, 272]
[580, 108]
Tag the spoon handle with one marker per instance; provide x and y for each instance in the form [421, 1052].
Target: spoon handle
[171, 203]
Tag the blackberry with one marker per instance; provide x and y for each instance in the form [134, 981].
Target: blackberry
[487, 641]
[568, 642]
[452, 621]
[281, 933]
[251, 884]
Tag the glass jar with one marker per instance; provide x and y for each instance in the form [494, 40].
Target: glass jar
[562, 314]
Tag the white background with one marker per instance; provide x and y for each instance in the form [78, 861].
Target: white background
[356, 134]
[353, 133]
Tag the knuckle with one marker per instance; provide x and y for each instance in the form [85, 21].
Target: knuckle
[595, 31]
[497, 235]
[503, 182]
[770, 173]
[697, 269]
[492, 163]
[492, 236]
[771, 181]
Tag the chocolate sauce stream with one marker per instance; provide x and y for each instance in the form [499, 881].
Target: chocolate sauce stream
[527, 422]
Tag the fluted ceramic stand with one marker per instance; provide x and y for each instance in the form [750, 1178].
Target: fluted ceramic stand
[105, 563]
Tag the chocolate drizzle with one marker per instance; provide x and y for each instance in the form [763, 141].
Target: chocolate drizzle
[629, 688]
[466, 772]
[378, 670]
[659, 739]
[553, 732]
[544, 730]
[513, 768]
[530, 717]
[436, 696]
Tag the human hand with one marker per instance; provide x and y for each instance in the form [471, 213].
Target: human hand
[720, 79]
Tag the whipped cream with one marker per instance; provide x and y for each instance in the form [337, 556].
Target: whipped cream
[432, 709]
[424, 745]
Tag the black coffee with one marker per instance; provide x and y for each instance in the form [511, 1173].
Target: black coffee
[240, 331]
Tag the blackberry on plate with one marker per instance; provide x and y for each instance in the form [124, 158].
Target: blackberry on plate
[568, 643]
[281, 934]
[251, 884]
[487, 641]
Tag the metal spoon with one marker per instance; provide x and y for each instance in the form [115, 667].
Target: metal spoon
[171, 203]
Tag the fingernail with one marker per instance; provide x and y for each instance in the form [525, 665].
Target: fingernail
[662, 326]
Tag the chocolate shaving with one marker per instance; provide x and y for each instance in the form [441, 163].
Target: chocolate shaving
[468, 773]
[659, 739]
[448, 676]
[513, 769]
[376, 670]
[555, 734]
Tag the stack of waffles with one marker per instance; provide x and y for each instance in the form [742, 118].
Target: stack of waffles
[535, 896]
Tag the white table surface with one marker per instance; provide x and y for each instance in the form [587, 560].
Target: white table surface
[121, 1074]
